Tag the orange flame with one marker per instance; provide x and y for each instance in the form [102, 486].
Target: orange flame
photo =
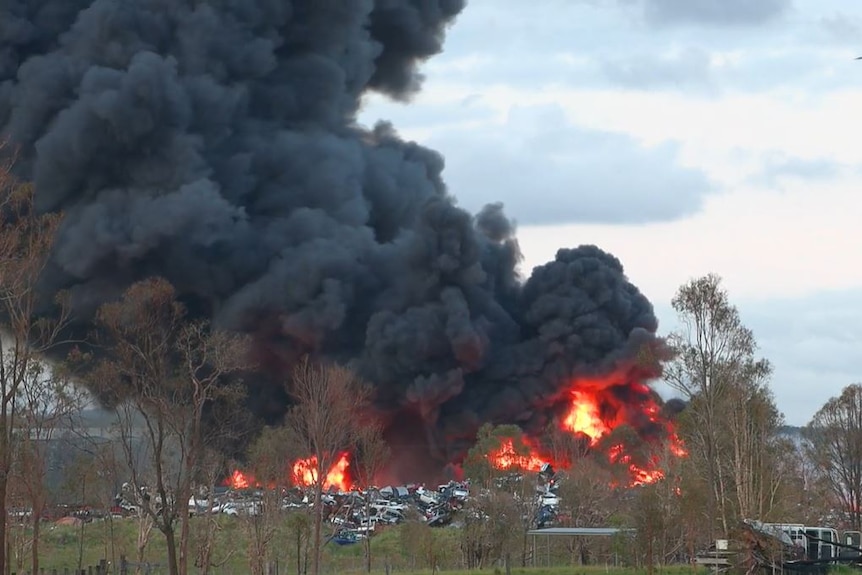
[239, 480]
[305, 472]
[583, 417]
[639, 475]
[506, 458]
[677, 447]
[595, 410]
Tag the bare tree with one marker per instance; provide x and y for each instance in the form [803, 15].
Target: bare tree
[163, 373]
[810, 497]
[657, 513]
[270, 457]
[491, 526]
[26, 240]
[731, 414]
[47, 403]
[207, 357]
[211, 467]
[372, 454]
[298, 525]
[834, 445]
[330, 400]
[503, 463]
[92, 479]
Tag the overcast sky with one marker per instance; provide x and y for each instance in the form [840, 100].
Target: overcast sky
[684, 136]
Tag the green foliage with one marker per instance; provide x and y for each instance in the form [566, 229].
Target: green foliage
[391, 547]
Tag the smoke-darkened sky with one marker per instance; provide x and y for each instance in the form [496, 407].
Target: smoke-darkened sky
[686, 136]
[216, 144]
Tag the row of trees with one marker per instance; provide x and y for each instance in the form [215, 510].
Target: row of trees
[742, 461]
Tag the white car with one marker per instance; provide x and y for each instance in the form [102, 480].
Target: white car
[383, 505]
[241, 508]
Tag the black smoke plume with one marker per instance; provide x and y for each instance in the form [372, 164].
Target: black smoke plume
[215, 143]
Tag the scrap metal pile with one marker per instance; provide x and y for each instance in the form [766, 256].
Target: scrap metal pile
[356, 514]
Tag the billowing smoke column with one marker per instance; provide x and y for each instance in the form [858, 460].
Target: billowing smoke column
[215, 143]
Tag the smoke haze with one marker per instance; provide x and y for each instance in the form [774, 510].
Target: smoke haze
[215, 144]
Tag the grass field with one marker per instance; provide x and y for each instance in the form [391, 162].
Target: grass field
[404, 549]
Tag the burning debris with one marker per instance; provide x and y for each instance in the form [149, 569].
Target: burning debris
[596, 409]
[219, 148]
[303, 473]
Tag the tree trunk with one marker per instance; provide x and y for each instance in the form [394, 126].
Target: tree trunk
[205, 556]
[5, 457]
[113, 539]
[318, 524]
[4, 488]
[81, 546]
[171, 543]
[298, 552]
[145, 527]
[367, 538]
[37, 520]
[182, 564]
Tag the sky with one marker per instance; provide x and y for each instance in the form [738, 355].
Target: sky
[686, 137]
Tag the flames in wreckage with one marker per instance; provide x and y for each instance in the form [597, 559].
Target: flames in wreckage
[216, 144]
[594, 411]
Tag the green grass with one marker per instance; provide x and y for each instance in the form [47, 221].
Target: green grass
[392, 546]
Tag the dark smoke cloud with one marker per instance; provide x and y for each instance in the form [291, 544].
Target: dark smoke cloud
[215, 144]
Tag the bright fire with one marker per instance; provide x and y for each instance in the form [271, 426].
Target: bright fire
[639, 475]
[240, 480]
[303, 472]
[583, 417]
[596, 409]
[506, 458]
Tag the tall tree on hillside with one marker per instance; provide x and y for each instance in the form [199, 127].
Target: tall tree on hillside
[329, 403]
[26, 240]
[163, 373]
[834, 445]
[731, 422]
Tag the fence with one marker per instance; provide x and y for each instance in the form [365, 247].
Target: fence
[128, 568]
[100, 569]
[103, 568]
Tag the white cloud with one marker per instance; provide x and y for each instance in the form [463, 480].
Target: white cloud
[714, 12]
[769, 244]
[690, 67]
[547, 170]
[770, 111]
